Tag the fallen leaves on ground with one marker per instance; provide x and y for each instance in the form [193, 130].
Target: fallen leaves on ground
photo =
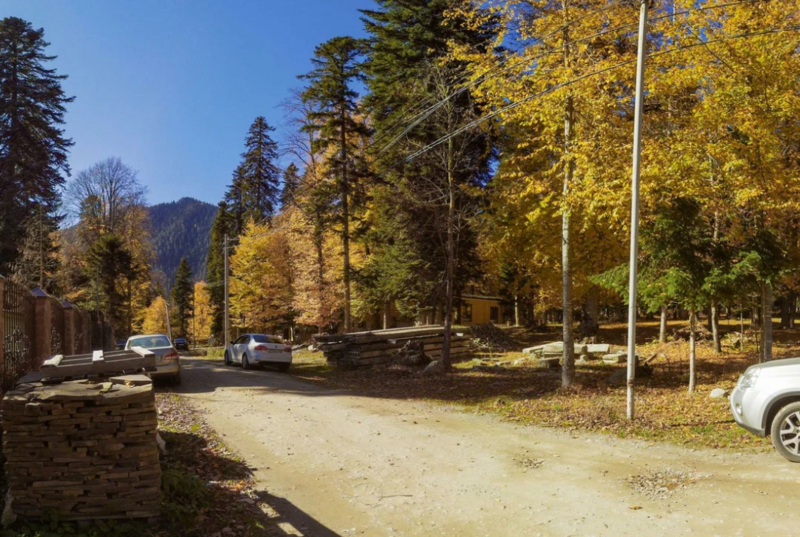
[227, 504]
[524, 394]
[661, 484]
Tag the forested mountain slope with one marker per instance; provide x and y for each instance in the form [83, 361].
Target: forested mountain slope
[181, 228]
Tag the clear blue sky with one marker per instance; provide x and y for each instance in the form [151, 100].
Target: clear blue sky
[171, 86]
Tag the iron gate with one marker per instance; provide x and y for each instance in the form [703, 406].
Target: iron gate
[18, 355]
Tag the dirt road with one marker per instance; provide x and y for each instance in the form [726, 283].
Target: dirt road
[331, 463]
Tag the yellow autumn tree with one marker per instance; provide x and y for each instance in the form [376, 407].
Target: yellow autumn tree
[155, 318]
[261, 285]
[200, 325]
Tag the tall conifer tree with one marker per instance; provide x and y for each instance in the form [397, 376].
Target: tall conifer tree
[215, 266]
[182, 297]
[33, 148]
[337, 122]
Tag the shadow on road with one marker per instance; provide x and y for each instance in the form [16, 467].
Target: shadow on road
[288, 519]
[206, 376]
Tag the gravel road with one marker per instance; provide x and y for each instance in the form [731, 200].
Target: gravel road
[333, 463]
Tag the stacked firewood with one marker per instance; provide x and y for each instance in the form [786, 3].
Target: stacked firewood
[383, 346]
[82, 449]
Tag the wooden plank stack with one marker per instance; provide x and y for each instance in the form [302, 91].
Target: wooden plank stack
[379, 346]
[98, 363]
[82, 449]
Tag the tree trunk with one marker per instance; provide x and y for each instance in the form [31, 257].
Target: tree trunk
[516, 310]
[345, 225]
[386, 308]
[766, 322]
[568, 356]
[741, 327]
[692, 350]
[450, 273]
[715, 328]
[792, 306]
[318, 246]
[785, 311]
[662, 329]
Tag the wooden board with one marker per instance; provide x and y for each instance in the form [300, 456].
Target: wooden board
[98, 363]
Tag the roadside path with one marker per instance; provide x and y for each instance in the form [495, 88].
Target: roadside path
[332, 463]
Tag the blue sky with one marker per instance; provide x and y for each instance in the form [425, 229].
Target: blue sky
[171, 86]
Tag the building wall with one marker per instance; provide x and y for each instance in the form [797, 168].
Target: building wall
[481, 310]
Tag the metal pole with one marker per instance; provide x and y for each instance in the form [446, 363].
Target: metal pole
[227, 318]
[637, 155]
[169, 324]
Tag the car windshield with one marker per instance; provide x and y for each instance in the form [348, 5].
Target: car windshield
[149, 342]
[258, 338]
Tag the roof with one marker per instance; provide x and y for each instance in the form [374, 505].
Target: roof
[482, 297]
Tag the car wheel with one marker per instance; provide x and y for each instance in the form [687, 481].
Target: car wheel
[176, 381]
[786, 432]
[283, 368]
[245, 362]
[227, 358]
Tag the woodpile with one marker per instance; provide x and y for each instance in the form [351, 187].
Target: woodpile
[384, 346]
[82, 449]
[491, 338]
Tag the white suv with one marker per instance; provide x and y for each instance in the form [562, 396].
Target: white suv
[766, 401]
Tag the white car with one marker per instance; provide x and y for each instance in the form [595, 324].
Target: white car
[259, 349]
[168, 363]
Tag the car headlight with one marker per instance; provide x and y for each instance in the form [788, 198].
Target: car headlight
[749, 378]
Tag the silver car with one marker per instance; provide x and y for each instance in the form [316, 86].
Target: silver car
[766, 401]
[168, 363]
[259, 349]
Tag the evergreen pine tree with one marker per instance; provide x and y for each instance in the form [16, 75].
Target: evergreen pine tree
[182, 297]
[254, 192]
[408, 73]
[113, 268]
[339, 128]
[38, 262]
[291, 182]
[261, 174]
[33, 148]
[234, 202]
[215, 267]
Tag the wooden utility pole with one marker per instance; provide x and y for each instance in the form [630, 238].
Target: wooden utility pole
[634, 258]
[226, 336]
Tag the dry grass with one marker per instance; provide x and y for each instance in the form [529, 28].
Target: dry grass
[524, 394]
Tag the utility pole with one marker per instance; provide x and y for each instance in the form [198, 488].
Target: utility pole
[169, 324]
[637, 155]
[227, 317]
[194, 315]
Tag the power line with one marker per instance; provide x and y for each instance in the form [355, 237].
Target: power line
[416, 120]
[583, 77]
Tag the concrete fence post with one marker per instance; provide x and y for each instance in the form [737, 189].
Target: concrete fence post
[44, 328]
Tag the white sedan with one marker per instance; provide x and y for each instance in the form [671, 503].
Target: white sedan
[259, 349]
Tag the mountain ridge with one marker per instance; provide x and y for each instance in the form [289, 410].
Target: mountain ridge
[177, 229]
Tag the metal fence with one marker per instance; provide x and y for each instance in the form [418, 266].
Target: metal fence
[17, 346]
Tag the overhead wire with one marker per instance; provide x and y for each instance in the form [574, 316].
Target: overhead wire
[556, 87]
[416, 120]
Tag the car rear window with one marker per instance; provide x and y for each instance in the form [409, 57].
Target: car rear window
[267, 339]
[149, 342]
